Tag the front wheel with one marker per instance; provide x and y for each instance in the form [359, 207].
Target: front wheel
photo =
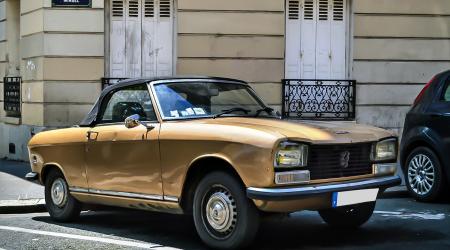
[223, 215]
[61, 205]
[352, 216]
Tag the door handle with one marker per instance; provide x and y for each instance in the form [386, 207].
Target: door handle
[91, 135]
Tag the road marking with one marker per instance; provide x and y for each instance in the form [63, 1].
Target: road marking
[88, 238]
[404, 215]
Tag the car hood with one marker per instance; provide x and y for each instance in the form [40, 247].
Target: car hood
[309, 131]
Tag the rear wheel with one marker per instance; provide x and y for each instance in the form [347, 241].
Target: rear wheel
[223, 215]
[352, 216]
[59, 202]
[424, 177]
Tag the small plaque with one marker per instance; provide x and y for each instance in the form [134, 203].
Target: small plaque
[72, 3]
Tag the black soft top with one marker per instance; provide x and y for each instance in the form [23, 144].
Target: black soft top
[89, 120]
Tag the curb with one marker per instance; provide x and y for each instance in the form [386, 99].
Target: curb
[22, 206]
[395, 192]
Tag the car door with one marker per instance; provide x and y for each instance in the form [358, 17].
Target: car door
[440, 113]
[124, 161]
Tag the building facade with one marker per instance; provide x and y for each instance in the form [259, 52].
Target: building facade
[61, 49]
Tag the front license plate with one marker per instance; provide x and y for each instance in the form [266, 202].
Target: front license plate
[353, 197]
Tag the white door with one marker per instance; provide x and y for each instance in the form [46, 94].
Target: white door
[315, 39]
[141, 38]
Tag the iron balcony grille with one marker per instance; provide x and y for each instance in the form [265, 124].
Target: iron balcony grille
[319, 99]
[11, 94]
[108, 81]
[329, 161]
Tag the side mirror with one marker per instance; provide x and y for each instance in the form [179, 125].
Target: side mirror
[132, 121]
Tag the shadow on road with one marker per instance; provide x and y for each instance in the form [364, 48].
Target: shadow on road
[16, 168]
[300, 230]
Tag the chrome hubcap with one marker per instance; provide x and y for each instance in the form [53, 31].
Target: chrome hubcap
[220, 212]
[59, 192]
[421, 174]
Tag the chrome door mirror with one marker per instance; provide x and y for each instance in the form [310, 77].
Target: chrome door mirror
[132, 121]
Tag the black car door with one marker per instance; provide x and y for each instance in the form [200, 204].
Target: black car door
[439, 112]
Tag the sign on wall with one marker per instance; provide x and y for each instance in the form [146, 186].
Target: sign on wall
[71, 3]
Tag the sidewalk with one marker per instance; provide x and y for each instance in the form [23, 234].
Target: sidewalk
[18, 195]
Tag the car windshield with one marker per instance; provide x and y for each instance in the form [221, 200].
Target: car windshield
[207, 99]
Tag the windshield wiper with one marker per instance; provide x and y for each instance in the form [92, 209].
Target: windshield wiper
[265, 109]
[227, 111]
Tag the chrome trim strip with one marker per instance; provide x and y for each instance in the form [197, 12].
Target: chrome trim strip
[170, 198]
[300, 192]
[78, 190]
[124, 194]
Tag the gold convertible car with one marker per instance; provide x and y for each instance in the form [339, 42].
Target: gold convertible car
[211, 148]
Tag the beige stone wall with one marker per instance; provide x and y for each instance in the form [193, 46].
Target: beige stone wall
[234, 38]
[59, 52]
[398, 46]
[62, 61]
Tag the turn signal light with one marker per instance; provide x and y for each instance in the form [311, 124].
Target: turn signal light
[292, 177]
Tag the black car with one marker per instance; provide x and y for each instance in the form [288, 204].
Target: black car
[425, 145]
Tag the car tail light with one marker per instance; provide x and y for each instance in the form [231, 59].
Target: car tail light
[422, 92]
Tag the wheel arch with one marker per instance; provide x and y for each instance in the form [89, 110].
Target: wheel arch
[46, 169]
[430, 143]
[199, 168]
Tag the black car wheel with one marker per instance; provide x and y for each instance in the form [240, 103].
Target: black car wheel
[59, 202]
[223, 215]
[352, 216]
[423, 175]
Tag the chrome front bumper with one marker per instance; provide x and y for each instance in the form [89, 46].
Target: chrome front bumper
[292, 193]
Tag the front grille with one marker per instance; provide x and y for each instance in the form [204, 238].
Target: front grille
[325, 161]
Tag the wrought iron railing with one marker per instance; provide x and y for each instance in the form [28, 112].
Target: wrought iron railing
[108, 81]
[11, 94]
[319, 99]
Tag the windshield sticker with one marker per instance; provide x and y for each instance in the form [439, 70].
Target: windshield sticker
[190, 111]
[184, 113]
[199, 111]
[174, 113]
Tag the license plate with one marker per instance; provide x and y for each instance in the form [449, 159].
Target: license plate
[353, 197]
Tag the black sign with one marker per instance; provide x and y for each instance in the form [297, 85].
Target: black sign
[71, 3]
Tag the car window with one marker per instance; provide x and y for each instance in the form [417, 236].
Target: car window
[126, 102]
[446, 95]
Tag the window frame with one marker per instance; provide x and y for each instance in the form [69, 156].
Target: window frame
[188, 81]
[444, 90]
[105, 101]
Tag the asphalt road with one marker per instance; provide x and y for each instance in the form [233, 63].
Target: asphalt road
[396, 224]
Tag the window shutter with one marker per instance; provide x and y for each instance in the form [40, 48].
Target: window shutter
[308, 10]
[323, 10]
[293, 26]
[149, 8]
[117, 8]
[117, 39]
[148, 38]
[338, 39]
[323, 46]
[307, 40]
[338, 10]
[164, 8]
[164, 39]
[133, 8]
[293, 9]
[133, 48]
